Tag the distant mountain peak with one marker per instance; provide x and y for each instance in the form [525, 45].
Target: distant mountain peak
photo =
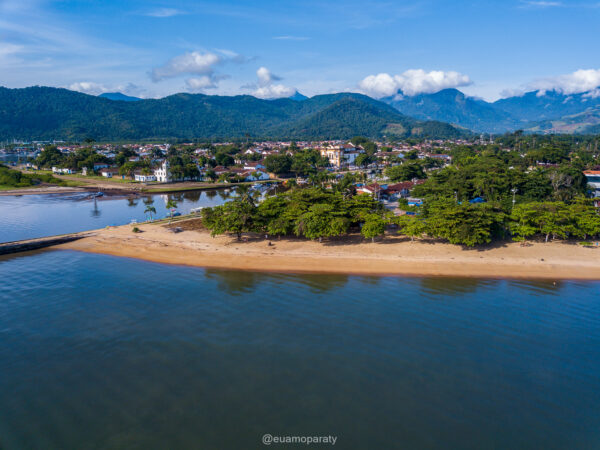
[298, 97]
[117, 96]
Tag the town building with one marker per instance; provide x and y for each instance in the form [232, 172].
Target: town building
[162, 173]
[593, 180]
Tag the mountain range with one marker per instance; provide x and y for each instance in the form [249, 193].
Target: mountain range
[536, 111]
[41, 113]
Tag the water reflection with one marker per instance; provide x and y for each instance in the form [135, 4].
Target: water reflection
[96, 211]
[369, 281]
[178, 197]
[240, 282]
[193, 196]
[458, 286]
[545, 287]
[235, 282]
[225, 195]
[132, 202]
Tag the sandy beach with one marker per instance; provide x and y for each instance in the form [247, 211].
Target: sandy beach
[41, 190]
[394, 255]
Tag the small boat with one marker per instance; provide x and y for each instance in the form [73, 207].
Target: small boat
[99, 194]
[196, 210]
[176, 214]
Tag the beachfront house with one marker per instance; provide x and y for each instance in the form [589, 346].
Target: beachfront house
[63, 170]
[143, 177]
[109, 172]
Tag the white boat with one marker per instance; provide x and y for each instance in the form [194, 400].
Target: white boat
[196, 210]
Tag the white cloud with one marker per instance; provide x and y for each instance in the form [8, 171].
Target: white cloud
[195, 63]
[6, 48]
[164, 12]
[88, 87]
[574, 83]
[274, 91]
[291, 38]
[265, 77]
[412, 82]
[200, 84]
[510, 92]
[265, 87]
[593, 94]
[380, 85]
[93, 88]
[233, 56]
[541, 4]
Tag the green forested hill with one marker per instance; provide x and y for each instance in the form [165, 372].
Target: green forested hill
[351, 116]
[52, 113]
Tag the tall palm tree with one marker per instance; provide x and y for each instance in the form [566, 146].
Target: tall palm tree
[171, 205]
[150, 210]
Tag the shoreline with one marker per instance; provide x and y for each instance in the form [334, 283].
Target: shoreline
[394, 256]
[121, 188]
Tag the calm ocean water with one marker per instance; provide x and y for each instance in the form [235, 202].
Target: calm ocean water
[31, 216]
[104, 352]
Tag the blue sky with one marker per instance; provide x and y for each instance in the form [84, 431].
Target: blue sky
[270, 48]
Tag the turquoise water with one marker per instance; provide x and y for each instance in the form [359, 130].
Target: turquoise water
[105, 352]
[31, 216]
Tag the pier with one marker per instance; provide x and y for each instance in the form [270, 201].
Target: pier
[35, 244]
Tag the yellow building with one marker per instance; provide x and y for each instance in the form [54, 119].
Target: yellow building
[334, 155]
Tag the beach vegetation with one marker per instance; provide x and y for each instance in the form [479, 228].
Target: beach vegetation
[374, 226]
[150, 211]
[10, 179]
[171, 206]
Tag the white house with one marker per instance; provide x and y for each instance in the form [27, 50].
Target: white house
[253, 165]
[62, 170]
[593, 179]
[144, 177]
[109, 172]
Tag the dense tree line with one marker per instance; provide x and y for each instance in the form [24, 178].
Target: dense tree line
[314, 213]
[317, 213]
